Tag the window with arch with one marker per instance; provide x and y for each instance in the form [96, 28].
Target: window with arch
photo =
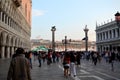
[107, 34]
[98, 37]
[103, 35]
[110, 34]
[2, 17]
[118, 32]
[114, 33]
[6, 18]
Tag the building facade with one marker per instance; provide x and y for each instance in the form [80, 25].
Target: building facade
[77, 45]
[108, 37]
[15, 26]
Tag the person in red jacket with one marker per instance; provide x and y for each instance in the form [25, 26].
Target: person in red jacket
[66, 64]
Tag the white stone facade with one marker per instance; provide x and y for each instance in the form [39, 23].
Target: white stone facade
[108, 37]
[15, 31]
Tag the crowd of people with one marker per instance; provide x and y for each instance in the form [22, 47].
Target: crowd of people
[21, 62]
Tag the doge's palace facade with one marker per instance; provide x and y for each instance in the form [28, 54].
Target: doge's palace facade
[15, 26]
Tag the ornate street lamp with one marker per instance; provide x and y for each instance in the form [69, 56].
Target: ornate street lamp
[117, 19]
[86, 38]
[53, 29]
[64, 41]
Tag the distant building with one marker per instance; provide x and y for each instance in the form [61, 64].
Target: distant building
[40, 42]
[108, 37]
[77, 45]
[15, 26]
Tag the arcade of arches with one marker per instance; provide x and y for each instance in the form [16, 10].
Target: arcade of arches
[8, 44]
[15, 26]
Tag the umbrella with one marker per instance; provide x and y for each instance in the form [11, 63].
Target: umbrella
[40, 48]
[36, 49]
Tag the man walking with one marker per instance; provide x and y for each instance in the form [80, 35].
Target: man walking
[19, 67]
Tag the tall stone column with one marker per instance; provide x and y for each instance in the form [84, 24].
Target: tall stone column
[3, 52]
[86, 38]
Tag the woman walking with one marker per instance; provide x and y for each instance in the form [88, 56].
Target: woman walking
[66, 64]
[72, 64]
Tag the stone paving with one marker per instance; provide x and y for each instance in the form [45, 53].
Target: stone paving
[4, 65]
[45, 72]
[87, 71]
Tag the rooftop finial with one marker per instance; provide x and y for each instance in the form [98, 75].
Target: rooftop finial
[104, 22]
[111, 20]
[117, 14]
[96, 24]
[85, 26]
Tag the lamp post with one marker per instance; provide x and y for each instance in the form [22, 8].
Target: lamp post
[86, 38]
[65, 43]
[53, 29]
[117, 19]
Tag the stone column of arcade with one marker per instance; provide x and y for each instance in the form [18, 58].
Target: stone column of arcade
[8, 52]
[12, 51]
[3, 52]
